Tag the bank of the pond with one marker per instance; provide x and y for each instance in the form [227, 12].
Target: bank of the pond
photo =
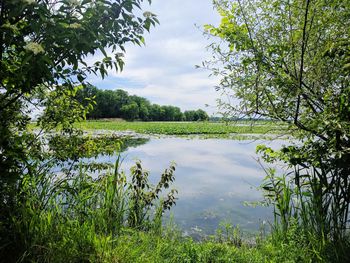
[145, 247]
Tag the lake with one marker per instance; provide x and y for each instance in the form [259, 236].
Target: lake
[215, 179]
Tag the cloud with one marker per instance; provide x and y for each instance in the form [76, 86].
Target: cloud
[164, 69]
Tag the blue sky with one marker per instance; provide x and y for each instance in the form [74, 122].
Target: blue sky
[164, 69]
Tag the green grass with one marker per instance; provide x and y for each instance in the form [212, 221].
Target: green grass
[186, 128]
[171, 247]
[147, 247]
[143, 247]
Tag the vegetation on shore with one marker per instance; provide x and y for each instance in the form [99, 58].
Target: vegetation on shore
[119, 104]
[218, 129]
[116, 218]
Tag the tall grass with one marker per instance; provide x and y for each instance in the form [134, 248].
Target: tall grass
[80, 218]
[118, 218]
[305, 211]
[114, 217]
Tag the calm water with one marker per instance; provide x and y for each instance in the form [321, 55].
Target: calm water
[214, 177]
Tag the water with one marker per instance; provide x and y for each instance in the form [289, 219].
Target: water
[214, 177]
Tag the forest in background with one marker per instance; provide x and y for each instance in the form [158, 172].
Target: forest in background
[119, 104]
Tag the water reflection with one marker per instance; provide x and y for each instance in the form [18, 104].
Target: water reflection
[214, 179]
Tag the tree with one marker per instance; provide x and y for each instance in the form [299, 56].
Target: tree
[118, 104]
[202, 115]
[144, 111]
[143, 105]
[43, 49]
[189, 115]
[155, 112]
[43, 46]
[289, 61]
[196, 115]
[130, 111]
[107, 104]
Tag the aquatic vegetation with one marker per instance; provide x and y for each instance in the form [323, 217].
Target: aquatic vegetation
[186, 128]
[75, 147]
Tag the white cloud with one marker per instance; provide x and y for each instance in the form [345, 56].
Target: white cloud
[164, 70]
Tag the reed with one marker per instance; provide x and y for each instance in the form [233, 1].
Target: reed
[79, 216]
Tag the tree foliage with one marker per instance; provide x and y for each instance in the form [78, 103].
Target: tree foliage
[44, 46]
[198, 115]
[289, 61]
[119, 104]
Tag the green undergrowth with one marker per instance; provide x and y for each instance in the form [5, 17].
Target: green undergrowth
[145, 247]
[171, 247]
[109, 218]
[75, 217]
[78, 218]
[76, 242]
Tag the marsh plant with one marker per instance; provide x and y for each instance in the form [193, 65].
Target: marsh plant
[229, 234]
[311, 201]
[81, 217]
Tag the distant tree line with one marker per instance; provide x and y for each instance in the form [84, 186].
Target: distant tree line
[119, 104]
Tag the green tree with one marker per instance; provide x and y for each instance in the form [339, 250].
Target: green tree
[143, 105]
[189, 115]
[196, 115]
[202, 115]
[116, 104]
[43, 51]
[130, 111]
[107, 104]
[122, 99]
[155, 112]
[86, 94]
[144, 111]
[289, 61]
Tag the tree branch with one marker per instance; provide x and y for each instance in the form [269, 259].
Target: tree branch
[303, 48]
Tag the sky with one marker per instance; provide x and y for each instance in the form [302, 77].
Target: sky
[163, 70]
